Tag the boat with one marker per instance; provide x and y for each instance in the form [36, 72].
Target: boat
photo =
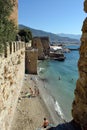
[56, 53]
[57, 56]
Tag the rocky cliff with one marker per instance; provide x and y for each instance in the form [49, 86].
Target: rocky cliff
[79, 111]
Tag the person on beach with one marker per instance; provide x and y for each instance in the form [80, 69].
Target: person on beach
[36, 91]
[45, 123]
[31, 91]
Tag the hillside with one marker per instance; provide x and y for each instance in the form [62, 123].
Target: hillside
[53, 37]
[74, 36]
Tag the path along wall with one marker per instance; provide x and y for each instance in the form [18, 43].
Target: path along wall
[12, 69]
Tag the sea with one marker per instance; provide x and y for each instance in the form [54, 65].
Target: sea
[60, 79]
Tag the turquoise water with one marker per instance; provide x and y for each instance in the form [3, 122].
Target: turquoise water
[60, 78]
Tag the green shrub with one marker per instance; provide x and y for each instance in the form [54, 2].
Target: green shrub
[25, 35]
[7, 27]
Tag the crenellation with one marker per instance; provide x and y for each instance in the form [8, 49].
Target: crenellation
[11, 48]
[11, 79]
[14, 46]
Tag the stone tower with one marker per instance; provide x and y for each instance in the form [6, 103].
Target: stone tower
[14, 15]
[79, 111]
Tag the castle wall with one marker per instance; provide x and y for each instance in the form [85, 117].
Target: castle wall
[12, 69]
[46, 46]
[42, 44]
[31, 57]
[36, 43]
[14, 14]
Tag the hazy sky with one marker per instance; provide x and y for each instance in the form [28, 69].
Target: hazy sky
[56, 16]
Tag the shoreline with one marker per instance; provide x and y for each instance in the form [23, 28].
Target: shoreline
[49, 101]
[30, 111]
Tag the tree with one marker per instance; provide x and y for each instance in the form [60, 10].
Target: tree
[25, 35]
[7, 26]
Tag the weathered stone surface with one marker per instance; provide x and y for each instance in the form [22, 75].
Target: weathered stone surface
[36, 43]
[31, 57]
[46, 46]
[42, 44]
[14, 14]
[12, 71]
[85, 6]
[79, 111]
[84, 27]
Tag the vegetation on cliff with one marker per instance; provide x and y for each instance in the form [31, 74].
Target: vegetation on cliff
[7, 26]
[25, 35]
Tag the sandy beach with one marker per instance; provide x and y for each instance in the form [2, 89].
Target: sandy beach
[30, 111]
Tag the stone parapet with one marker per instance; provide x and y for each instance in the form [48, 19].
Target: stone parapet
[12, 69]
[12, 47]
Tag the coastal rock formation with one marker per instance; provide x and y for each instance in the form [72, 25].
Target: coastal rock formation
[79, 111]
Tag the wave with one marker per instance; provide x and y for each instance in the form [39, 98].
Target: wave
[41, 70]
[59, 111]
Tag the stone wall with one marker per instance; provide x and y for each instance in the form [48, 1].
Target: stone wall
[46, 47]
[79, 111]
[14, 14]
[31, 57]
[12, 68]
[42, 44]
[36, 43]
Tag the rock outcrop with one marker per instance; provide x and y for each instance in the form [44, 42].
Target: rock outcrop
[79, 111]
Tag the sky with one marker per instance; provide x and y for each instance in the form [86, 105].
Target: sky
[55, 16]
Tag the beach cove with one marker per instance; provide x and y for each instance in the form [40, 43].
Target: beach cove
[30, 111]
[60, 79]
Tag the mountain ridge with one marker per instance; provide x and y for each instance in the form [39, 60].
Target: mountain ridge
[75, 36]
[53, 37]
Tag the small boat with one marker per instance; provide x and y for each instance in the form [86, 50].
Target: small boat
[59, 58]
